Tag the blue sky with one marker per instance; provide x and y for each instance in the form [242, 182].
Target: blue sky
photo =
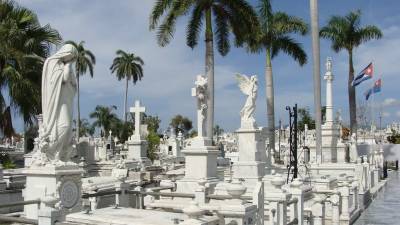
[169, 72]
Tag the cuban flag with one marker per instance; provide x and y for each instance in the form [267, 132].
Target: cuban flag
[365, 74]
[375, 89]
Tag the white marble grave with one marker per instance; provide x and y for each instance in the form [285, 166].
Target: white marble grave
[137, 145]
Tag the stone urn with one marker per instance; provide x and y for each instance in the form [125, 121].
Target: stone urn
[235, 189]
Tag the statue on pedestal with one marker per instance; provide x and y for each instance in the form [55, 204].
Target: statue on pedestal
[200, 92]
[58, 92]
[353, 148]
[249, 87]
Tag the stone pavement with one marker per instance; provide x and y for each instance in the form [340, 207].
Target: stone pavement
[385, 208]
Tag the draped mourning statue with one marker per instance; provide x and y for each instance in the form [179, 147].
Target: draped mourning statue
[249, 86]
[58, 92]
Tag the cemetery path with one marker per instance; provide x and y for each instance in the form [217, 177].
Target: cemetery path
[385, 209]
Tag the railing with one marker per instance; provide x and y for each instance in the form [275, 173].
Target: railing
[30, 202]
[225, 197]
[100, 194]
[161, 194]
[18, 219]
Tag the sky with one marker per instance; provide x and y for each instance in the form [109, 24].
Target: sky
[170, 71]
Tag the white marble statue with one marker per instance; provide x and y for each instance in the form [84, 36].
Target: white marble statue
[249, 87]
[58, 92]
[200, 92]
[353, 148]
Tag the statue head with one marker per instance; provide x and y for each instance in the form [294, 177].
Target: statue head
[201, 80]
[67, 53]
[254, 79]
[329, 64]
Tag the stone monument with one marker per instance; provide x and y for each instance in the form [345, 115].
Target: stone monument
[137, 146]
[330, 129]
[251, 142]
[200, 156]
[51, 174]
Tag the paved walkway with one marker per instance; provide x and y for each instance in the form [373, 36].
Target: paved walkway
[385, 209]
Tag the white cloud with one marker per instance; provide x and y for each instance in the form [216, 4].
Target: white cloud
[398, 113]
[386, 114]
[388, 102]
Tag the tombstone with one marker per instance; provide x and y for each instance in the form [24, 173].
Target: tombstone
[137, 146]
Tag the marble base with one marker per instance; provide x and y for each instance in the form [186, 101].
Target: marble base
[60, 181]
[330, 136]
[250, 172]
[200, 163]
[137, 149]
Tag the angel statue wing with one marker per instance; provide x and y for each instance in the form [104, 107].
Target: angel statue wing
[244, 83]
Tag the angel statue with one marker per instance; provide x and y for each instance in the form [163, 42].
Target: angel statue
[249, 87]
[200, 92]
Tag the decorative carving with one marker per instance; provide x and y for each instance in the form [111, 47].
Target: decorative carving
[69, 194]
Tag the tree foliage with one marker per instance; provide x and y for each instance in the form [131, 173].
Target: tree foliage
[233, 16]
[304, 117]
[153, 123]
[127, 66]
[181, 123]
[24, 45]
[275, 31]
[104, 118]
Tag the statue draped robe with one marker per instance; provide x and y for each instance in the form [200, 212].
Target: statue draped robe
[58, 92]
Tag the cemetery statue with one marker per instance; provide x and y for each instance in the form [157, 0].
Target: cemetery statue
[353, 148]
[249, 87]
[58, 91]
[200, 92]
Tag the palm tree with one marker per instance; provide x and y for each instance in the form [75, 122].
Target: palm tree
[226, 16]
[346, 33]
[24, 45]
[85, 60]
[274, 37]
[316, 77]
[128, 66]
[104, 118]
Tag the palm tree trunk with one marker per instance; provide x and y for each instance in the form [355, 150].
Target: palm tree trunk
[316, 77]
[78, 121]
[269, 92]
[352, 96]
[210, 74]
[126, 99]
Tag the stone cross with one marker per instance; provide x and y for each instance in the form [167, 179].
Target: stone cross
[137, 110]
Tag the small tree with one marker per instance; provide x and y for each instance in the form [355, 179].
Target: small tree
[304, 117]
[181, 123]
[153, 138]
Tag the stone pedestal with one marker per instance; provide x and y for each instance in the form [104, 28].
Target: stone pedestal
[200, 163]
[137, 150]
[62, 182]
[330, 137]
[252, 156]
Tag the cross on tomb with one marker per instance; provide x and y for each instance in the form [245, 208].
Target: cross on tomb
[137, 110]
